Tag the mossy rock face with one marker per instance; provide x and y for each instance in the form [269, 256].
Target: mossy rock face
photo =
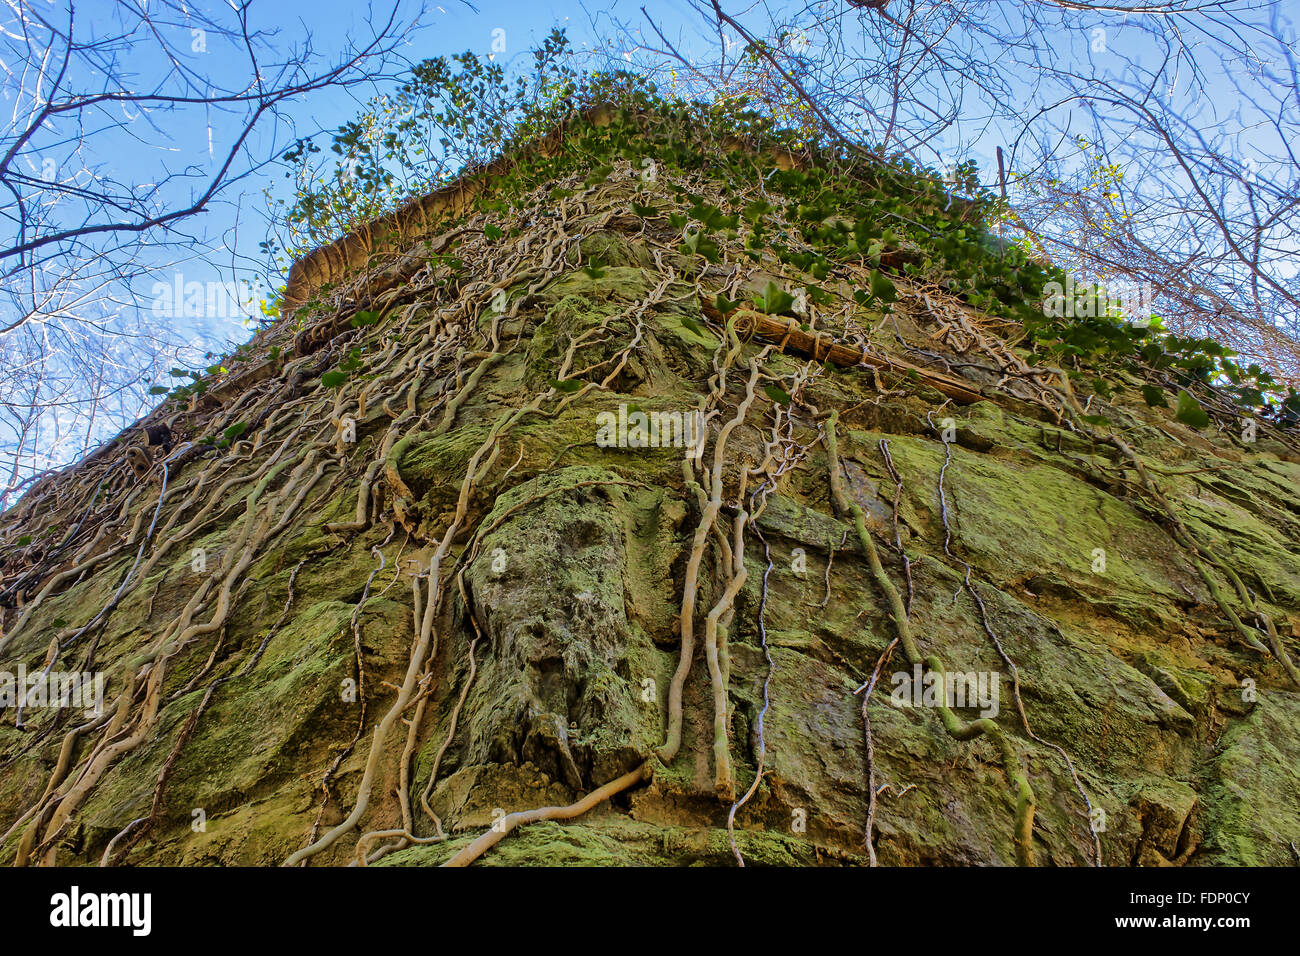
[564, 653]
[1248, 815]
[608, 841]
[560, 578]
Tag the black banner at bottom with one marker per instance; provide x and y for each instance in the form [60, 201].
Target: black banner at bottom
[336, 907]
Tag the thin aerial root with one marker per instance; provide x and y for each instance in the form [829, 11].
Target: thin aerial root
[673, 740]
[521, 818]
[1006, 658]
[762, 714]
[953, 724]
[872, 790]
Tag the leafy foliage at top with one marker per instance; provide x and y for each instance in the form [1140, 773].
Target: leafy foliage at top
[841, 203]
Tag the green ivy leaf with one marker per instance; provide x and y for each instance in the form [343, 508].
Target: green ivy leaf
[882, 289]
[352, 362]
[1250, 397]
[775, 300]
[364, 318]
[492, 232]
[568, 385]
[1154, 396]
[159, 390]
[333, 379]
[777, 394]
[690, 323]
[713, 218]
[723, 304]
[1189, 411]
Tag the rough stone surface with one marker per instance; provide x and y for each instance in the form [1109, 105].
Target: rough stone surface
[574, 589]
